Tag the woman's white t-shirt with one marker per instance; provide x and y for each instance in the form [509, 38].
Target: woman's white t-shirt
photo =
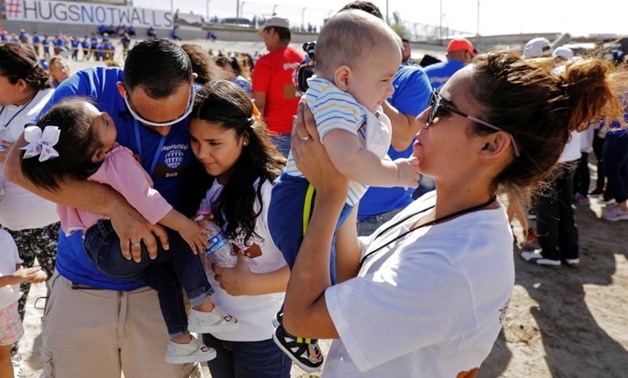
[430, 304]
[254, 313]
[19, 208]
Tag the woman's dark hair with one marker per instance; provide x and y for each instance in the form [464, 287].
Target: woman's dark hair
[236, 66]
[227, 105]
[157, 65]
[20, 62]
[77, 144]
[539, 102]
[202, 64]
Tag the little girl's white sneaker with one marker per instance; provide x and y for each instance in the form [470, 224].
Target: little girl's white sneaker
[210, 322]
[194, 351]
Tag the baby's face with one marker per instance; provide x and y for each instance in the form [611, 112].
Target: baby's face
[371, 78]
[103, 126]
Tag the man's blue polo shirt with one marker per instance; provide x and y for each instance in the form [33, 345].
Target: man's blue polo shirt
[411, 96]
[170, 164]
[439, 73]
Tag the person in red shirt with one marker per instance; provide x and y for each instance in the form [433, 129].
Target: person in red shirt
[273, 90]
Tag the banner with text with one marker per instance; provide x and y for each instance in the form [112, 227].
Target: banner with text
[86, 13]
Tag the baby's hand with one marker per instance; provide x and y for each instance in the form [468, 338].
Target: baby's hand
[196, 236]
[408, 172]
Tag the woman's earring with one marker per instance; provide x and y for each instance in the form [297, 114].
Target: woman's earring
[245, 143]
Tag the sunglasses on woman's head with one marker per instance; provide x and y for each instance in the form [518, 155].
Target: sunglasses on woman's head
[440, 108]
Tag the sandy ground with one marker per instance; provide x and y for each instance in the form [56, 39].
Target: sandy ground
[561, 323]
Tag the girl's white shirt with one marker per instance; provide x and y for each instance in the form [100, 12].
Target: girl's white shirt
[254, 313]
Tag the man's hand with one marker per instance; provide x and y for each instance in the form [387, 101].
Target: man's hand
[133, 229]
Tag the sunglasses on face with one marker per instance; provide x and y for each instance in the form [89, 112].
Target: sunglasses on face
[440, 108]
[144, 121]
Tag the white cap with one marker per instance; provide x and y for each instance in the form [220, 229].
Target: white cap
[563, 52]
[537, 47]
[276, 21]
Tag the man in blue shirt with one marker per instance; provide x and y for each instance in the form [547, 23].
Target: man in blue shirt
[97, 326]
[411, 97]
[460, 52]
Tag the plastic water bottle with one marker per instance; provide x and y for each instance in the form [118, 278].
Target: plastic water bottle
[219, 250]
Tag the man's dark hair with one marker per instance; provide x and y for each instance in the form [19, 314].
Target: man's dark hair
[157, 65]
[284, 33]
[366, 6]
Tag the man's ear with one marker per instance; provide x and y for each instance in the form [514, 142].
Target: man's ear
[341, 77]
[121, 88]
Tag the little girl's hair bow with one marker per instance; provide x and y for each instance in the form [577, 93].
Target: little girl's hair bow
[41, 142]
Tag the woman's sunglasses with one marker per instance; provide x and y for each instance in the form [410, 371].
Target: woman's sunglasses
[440, 108]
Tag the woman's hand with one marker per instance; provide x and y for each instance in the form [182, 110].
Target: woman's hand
[311, 157]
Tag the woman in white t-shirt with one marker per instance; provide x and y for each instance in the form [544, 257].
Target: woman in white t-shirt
[242, 163]
[433, 285]
[32, 221]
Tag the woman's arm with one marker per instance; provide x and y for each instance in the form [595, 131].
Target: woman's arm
[305, 310]
[239, 280]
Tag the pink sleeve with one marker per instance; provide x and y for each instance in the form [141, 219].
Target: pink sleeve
[124, 174]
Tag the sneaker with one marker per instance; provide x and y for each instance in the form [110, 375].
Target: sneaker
[210, 322]
[614, 213]
[307, 355]
[597, 192]
[572, 263]
[580, 199]
[194, 351]
[278, 319]
[535, 257]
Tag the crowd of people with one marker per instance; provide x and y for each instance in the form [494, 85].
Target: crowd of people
[112, 178]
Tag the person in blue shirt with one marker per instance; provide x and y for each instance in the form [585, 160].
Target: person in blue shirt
[36, 42]
[460, 52]
[85, 47]
[95, 323]
[46, 47]
[74, 42]
[411, 97]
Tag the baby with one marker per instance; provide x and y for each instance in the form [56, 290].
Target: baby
[357, 56]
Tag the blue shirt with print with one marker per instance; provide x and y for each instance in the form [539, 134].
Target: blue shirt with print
[411, 96]
[171, 165]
